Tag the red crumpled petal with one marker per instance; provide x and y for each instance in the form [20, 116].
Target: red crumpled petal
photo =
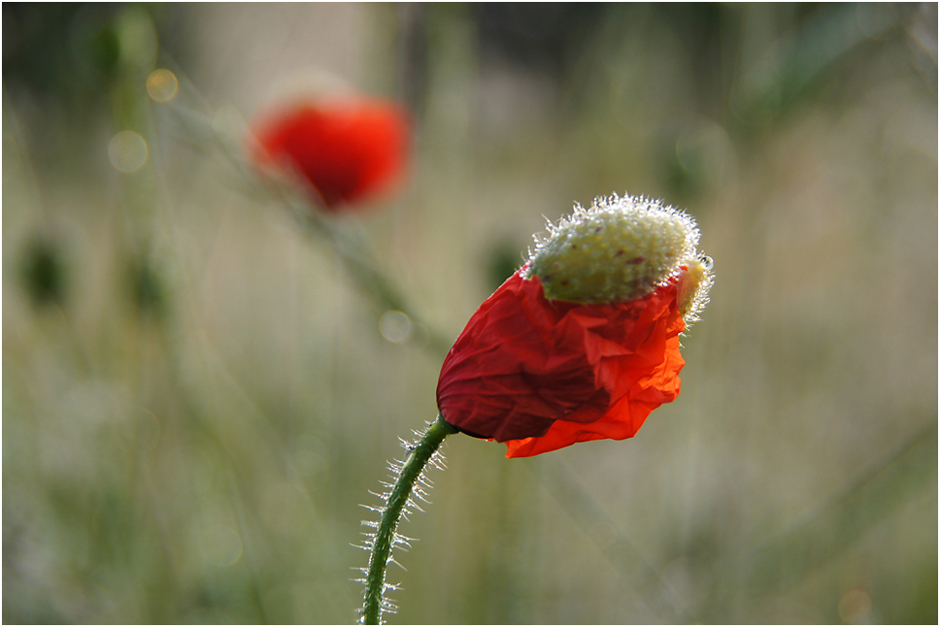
[541, 375]
[347, 150]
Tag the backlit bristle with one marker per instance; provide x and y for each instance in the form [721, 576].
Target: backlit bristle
[621, 249]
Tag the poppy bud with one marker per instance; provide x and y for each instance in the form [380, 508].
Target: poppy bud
[347, 150]
[582, 343]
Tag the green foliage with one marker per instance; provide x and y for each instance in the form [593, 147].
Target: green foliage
[206, 463]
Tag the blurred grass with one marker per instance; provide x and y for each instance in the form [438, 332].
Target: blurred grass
[197, 397]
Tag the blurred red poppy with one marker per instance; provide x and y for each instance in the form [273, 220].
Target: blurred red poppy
[543, 374]
[348, 150]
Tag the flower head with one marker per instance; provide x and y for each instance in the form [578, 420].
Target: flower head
[347, 150]
[582, 343]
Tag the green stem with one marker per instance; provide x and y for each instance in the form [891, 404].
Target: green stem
[354, 252]
[366, 272]
[398, 499]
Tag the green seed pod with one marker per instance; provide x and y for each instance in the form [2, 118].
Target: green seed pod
[621, 249]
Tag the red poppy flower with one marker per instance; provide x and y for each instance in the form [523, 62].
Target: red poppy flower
[542, 374]
[593, 359]
[348, 150]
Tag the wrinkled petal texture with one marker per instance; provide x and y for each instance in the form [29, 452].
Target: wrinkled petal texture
[347, 150]
[541, 374]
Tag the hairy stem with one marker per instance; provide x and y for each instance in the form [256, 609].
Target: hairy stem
[398, 500]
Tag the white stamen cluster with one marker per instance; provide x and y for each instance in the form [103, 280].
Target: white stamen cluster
[621, 249]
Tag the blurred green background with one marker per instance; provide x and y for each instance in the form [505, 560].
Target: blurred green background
[197, 397]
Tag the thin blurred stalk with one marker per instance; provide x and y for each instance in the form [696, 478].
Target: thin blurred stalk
[355, 253]
[827, 530]
[775, 80]
[837, 523]
[145, 217]
[235, 494]
[617, 549]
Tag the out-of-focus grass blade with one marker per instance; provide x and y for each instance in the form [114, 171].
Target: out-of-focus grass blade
[776, 80]
[619, 550]
[835, 525]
